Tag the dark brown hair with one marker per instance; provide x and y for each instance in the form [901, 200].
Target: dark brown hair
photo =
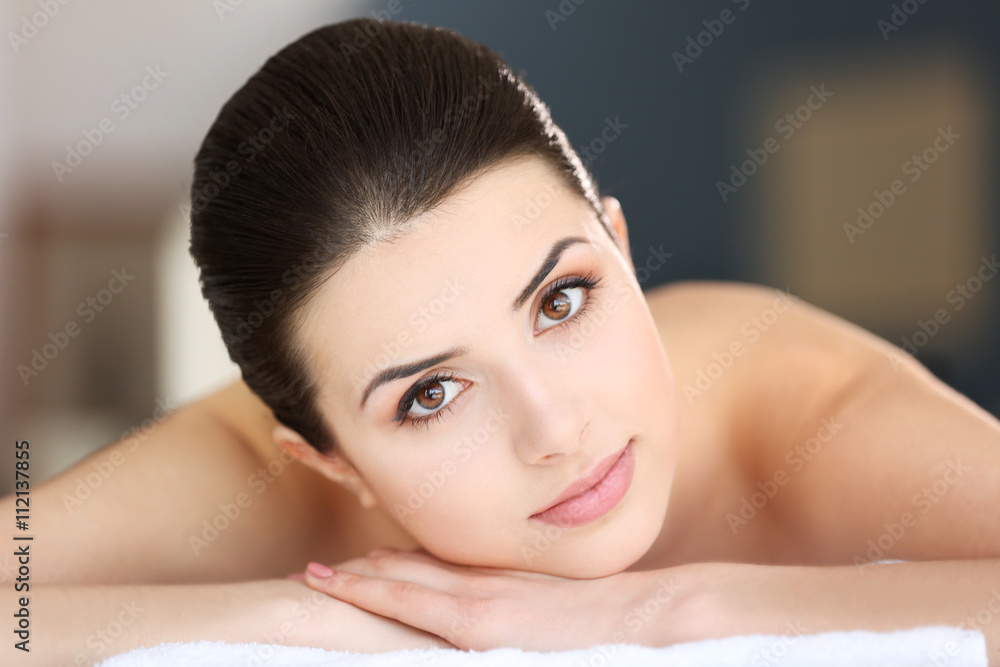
[337, 142]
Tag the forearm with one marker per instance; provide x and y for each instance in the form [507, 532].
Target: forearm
[81, 625]
[726, 599]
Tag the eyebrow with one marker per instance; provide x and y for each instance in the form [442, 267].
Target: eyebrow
[550, 263]
[393, 373]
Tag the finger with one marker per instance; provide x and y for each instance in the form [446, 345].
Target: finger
[420, 607]
[426, 572]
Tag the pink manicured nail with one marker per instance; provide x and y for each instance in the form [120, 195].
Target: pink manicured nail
[319, 570]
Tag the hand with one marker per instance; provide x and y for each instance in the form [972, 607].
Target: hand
[484, 608]
[304, 617]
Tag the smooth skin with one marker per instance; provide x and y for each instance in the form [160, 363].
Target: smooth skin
[863, 433]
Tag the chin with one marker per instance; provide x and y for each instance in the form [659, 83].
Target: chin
[613, 553]
[595, 567]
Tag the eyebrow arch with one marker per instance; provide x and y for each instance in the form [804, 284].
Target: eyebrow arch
[398, 372]
[406, 370]
[550, 263]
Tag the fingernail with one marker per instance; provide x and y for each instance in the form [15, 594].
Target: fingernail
[319, 570]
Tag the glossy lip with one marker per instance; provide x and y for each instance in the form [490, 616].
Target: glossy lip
[594, 494]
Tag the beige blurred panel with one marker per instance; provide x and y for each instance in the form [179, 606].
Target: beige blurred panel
[191, 358]
[883, 111]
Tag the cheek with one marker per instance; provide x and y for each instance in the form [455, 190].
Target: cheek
[624, 336]
[626, 360]
[442, 488]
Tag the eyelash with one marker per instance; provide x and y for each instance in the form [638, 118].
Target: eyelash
[588, 281]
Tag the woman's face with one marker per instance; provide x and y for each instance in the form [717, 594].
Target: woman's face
[510, 380]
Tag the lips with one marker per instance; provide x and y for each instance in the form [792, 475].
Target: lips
[594, 494]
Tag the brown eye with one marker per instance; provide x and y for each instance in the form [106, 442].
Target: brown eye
[430, 397]
[559, 306]
[556, 306]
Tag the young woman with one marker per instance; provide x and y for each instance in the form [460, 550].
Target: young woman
[456, 394]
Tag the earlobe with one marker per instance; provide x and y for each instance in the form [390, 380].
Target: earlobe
[332, 466]
[613, 209]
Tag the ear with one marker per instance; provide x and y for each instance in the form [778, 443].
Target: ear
[332, 466]
[613, 209]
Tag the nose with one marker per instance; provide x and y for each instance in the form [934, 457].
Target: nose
[553, 420]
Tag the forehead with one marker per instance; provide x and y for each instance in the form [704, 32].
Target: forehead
[456, 270]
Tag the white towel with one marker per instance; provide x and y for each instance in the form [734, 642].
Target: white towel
[917, 647]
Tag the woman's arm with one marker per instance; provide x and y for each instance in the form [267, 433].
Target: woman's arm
[725, 599]
[81, 625]
[192, 500]
[135, 514]
[889, 463]
[863, 455]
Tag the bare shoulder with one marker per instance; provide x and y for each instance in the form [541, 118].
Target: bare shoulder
[757, 365]
[196, 498]
[846, 441]
[744, 320]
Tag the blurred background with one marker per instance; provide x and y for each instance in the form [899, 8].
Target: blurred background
[847, 152]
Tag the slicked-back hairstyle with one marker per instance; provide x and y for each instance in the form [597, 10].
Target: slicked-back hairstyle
[337, 142]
